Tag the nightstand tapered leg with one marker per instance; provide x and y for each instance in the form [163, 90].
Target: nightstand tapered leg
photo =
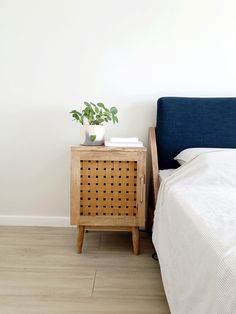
[80, 238]
[135, 239]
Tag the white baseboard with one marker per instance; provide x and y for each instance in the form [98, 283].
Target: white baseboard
[44, 221]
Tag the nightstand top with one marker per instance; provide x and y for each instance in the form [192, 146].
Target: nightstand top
[108, 149]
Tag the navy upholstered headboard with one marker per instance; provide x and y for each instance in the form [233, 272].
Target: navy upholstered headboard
[193, 122]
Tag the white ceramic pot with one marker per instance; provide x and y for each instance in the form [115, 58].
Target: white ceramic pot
[92, 135]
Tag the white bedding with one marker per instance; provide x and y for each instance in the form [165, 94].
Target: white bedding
[165, 173]
[194, 235]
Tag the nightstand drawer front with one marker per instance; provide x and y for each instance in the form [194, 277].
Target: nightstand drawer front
[108, 188]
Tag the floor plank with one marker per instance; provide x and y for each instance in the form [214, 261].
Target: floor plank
[128, 283]
[40, 272]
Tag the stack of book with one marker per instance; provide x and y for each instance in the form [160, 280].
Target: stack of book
[124, 142]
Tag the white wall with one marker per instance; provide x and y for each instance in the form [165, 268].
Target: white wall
[55, 54]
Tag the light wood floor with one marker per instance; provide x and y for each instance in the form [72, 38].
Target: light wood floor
[40, 272]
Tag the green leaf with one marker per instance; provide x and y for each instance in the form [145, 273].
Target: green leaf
[78, 116]
[113, 110]
[92, 138]
[101, 105]
[100, 120]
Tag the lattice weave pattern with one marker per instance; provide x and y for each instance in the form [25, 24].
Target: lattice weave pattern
[108, 188]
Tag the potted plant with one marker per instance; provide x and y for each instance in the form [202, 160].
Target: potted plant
[92, 119]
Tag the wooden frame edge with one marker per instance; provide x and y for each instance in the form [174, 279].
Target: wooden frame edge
[154, 162]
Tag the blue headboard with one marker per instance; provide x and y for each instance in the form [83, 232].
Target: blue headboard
[193, 122]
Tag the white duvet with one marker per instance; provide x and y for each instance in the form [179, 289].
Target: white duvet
[194, 235]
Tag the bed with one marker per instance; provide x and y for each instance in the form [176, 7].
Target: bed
[194, 226]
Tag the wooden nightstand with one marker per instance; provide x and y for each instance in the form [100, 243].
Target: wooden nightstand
[108, 190]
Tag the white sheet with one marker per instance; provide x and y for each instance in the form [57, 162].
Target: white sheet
[195, 235]
[165, 173]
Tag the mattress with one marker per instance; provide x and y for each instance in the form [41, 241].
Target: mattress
[194, 234]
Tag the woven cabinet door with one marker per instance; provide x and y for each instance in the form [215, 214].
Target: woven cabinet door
[110, 188]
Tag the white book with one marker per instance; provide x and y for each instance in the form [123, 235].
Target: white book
[123, 144]
[124, 139]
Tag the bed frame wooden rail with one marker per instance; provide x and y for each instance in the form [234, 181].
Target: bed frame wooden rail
[155, 182]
